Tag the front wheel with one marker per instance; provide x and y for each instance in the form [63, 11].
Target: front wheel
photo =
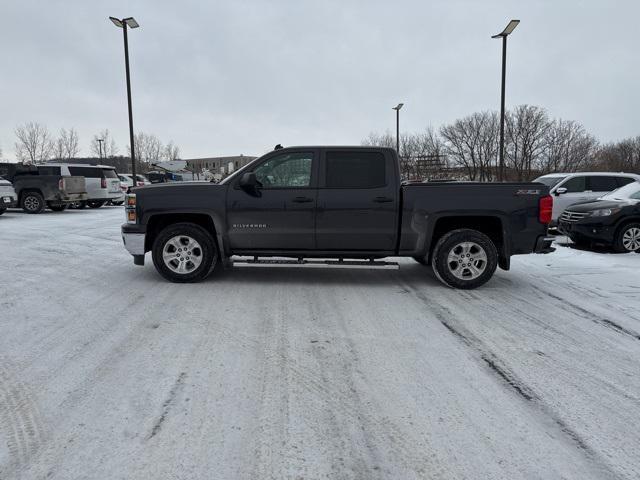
[628, 239]
[184, 253]
[464, 259]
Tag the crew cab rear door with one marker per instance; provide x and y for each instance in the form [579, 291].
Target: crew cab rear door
[280, 214]
[357, 201]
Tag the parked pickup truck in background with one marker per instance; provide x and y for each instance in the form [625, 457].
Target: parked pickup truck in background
[336, 203]
[8, 196]
[36, 191]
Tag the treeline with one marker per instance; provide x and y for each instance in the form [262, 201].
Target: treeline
[535, 144]
[35, 144]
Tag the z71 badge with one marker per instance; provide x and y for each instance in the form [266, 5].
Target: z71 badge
[528, 192]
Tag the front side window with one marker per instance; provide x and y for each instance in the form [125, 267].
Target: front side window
[290, 170]
[575, 185]
[355, 170]
[602, 184]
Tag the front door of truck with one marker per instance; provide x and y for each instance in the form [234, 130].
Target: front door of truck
[357, 201]
[280, 213]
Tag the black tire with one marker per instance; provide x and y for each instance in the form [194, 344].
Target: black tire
[2, 210]
[207, 248]
[57, 207]
[95, 203]
[627, 239]
[422, 260]
[117, 203]
[78, 205]
[453, 274]
[32, 202]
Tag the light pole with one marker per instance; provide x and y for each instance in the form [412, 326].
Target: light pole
[131, 23]
[504, 34]
[397, 109]
[100, 140]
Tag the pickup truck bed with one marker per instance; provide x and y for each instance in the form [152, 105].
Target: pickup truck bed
[336, 202]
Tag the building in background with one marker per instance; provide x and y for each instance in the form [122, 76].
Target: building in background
[218, 165]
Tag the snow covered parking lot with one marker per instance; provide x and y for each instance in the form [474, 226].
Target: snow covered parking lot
[107, 371]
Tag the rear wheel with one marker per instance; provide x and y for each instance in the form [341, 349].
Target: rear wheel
[78, 205]
[33, 202]
[184, 253]
[464, 259]
[628, 239]
[57, 207]
[95, 203]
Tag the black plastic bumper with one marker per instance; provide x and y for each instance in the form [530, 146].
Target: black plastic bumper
[543, 245]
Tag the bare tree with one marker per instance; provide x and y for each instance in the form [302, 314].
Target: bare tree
[66, 146]
[109, 147]
[568, 147]
[149, 148]
[622, 156]
[472, 143]
[171, 151]
[34, 143]
[526, 127]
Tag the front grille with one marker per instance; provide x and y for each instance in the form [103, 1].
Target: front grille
[572, 217]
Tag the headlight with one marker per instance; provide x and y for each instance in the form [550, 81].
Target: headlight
[604, 212]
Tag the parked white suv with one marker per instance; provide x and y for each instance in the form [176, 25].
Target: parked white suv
[103, 184]
[571, 188]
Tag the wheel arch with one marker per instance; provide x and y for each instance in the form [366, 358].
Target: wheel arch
[492, 225]
[157, 222]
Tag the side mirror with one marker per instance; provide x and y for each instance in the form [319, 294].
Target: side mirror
[560, 191]
[249, 183]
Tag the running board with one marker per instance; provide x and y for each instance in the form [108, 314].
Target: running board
[302, 263]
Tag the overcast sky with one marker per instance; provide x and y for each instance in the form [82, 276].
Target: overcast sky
[231, 77]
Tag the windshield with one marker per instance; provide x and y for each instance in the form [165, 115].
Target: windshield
[550, 181]
[629, 191]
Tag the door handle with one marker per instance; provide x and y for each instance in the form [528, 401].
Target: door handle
[302, 200]
[383, 199]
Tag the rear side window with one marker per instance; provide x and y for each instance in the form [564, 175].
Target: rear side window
[355, 170]
[602, 184]
[49, 170]
[109, 173]
[88, 172]
[622, 181]
[575, 184]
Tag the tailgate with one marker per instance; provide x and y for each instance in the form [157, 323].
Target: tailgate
[74, 185]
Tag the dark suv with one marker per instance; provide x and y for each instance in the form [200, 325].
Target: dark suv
[613, 219]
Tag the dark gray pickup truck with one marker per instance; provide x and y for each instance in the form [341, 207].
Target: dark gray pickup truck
[37, 191]
[345, 204]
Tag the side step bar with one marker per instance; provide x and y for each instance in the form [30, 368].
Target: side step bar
[303, 263]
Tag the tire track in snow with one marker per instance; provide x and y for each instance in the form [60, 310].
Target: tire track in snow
[509, 378]
[605, 322]
[20, 421]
